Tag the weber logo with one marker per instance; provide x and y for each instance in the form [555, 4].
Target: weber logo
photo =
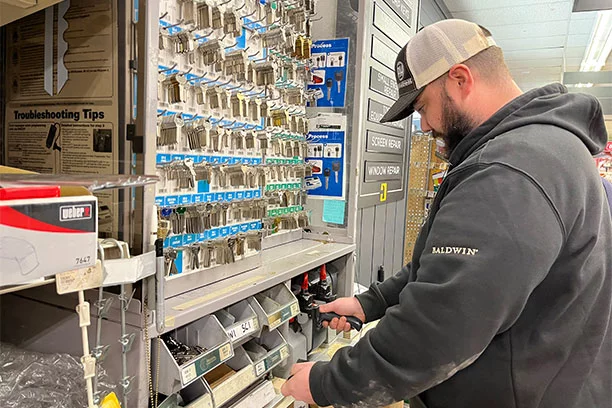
[75, 212]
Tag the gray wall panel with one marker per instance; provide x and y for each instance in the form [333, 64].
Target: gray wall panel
[366, 246]
[400, 234]
[389, 248]
[378, 253]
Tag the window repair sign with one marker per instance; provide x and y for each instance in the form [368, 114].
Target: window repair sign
[328, 68]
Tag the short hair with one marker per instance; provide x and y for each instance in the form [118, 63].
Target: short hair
[490, 64]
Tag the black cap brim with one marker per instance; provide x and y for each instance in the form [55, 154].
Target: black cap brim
[402, 108]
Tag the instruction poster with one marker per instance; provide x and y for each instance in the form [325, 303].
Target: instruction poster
[327, 156]
[62, 104]
[328, 65]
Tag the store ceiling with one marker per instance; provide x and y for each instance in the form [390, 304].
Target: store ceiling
[541, 38]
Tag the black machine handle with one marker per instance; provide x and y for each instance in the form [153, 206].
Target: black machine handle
[352, 320]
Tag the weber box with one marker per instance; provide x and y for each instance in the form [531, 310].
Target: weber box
[42, 237]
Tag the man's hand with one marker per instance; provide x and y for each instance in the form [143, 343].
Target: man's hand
[348, 306]
[298, 385]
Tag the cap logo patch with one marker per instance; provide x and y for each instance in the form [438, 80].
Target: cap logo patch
[400, 70]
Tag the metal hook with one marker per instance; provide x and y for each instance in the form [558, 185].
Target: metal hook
[175, 25]
[240, 126]
[163, 113]
[163, 15]
[168, 69]
[231, 46]
[274, 23]
[235, 87]
[231, 124]
[224, 3]
[212, 80]
[249, 15]
[318, 19]
[257, 21]
[241, 7]
[261, 59]
[186, 72]
[252, 55]
[208, 35]
[226, 83]
[250, 89]
[198, 77]
[223, 38]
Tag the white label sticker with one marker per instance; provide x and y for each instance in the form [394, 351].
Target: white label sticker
[295, 309]
[89, 366]
[188, 373]
[225, 352]
[274, 322]
[284, 352]
[80, 279]
[260, 368]
[242, 329]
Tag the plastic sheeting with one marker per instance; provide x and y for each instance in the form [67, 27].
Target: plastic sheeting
[37, 380]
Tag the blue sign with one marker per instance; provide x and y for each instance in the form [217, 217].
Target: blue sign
[329, 61]
[326, 151]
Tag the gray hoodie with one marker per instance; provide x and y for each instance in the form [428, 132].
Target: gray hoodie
[507, 302]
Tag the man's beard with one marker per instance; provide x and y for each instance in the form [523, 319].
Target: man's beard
[456, 125]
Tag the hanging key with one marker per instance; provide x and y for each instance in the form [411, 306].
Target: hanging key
[211, 52]
[232, 23]
[204, 15]
[170, 257]
[175, 84]
[218, 18]
[249, 140]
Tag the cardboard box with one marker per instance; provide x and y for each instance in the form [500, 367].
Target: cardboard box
[46, 236]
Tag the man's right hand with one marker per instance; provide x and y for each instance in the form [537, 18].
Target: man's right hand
[348, 306]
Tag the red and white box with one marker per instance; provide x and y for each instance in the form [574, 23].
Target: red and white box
[45, 236]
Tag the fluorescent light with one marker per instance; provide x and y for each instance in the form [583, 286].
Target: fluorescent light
[600, 44]
[581, 85]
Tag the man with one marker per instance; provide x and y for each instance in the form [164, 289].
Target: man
[507, 300]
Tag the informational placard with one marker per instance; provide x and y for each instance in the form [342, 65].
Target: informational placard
[376, 171]
[327, 156]
[62, 94]
[376, 111]
[328, 67]
[402, 9]
[383, 84]
[381, 143]
[383, 53]
[387, 25]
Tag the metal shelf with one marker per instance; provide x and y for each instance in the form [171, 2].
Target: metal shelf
[93, 182]
[11, 10]
[279, 264]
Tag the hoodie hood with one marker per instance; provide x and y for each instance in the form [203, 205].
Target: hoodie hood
[577, 113]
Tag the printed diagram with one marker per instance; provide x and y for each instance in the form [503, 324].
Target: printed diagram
[18, 255]
[53, 137]
[329, 72]
[333, 150]
[336, 59]
[315, 150]
[317, 166]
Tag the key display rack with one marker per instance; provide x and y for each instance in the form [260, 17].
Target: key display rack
[200, 287]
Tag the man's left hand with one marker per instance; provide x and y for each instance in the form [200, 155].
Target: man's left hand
[298, 385]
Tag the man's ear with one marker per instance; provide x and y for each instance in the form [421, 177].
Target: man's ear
[460, 81]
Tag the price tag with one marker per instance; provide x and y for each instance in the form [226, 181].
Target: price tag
[260, 368]
[188, 373]
[242, 329]
[80, 279]
[225, 352]
[284, 352]
[89, 366]
[295, 309]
